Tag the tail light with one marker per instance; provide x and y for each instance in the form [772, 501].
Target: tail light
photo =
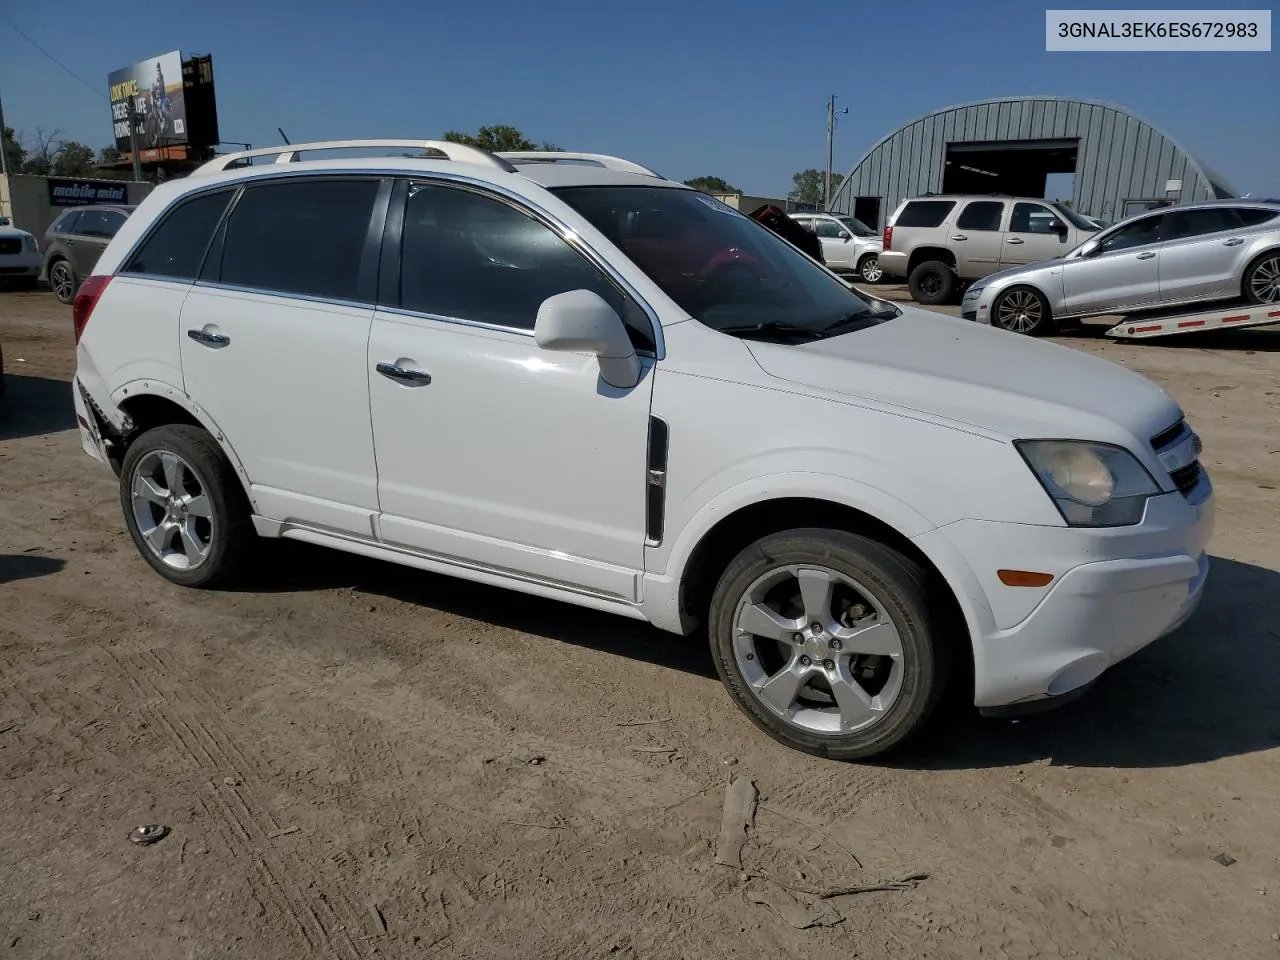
[888, 237]
[86, 299]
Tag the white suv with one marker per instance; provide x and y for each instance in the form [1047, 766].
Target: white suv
[577, 379]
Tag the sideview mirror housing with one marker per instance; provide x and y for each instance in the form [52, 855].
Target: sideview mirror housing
[580, 321]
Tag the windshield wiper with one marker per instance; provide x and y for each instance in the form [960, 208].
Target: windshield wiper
[853, 320]
[777, 327]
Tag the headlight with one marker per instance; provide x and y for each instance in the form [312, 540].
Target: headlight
[1092, 484]
[973, 291]
[29, 243]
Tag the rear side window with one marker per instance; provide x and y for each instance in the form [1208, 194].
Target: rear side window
[99, 223]
[1252, 216]
[981, 215]
[304, 237]
[176, 247]
[1184, 224]
[924, 213]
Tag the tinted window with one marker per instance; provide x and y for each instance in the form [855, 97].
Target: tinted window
[1031, 218]
[858, 228]
[828, 229]
[176, 248]
[66, 223]
[1183, 224]
[924, 213]
[474, 257]
[1146, 230]
[99, 223]
[981, 215]
[1252, 216]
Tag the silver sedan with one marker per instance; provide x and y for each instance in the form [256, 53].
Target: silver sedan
[1171, 257]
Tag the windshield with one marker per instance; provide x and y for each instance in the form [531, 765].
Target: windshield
[723, 268]
[857, 227]
[1074, 218]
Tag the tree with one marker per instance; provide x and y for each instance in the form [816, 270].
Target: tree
[42, 152]
[74, 160]
[15, 154]
[712, 185]
[109, 155]
[497, 139]
[809, 185]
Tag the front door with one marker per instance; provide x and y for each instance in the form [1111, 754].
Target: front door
[1199, 251]
[1121, 273]
[838, 248]
[1032, 236]
[977, 237]
[491, 451]
[274, 340]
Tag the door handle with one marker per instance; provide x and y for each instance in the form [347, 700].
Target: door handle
[1013, 240]
[1233, 242]
[394, 371]
[959, 236]
[209, 339]
[1146, 256]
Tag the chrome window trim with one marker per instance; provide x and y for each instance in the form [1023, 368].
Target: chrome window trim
[284, 295]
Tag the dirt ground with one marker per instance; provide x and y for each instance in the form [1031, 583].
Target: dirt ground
[360, 760]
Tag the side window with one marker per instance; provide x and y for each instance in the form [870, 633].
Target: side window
[176, 247]
[828, 229]
[981, 215]
[67, 223]
[1031, 218]
[924, 213]
[805, 223]
[99, 223]
[305, 237]
[1185, 224]
[473, 257]
[1252, 216]
[1144, 231]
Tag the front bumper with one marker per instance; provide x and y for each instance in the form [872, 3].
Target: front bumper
[1114, 592]
[972, 306]
[19, 266]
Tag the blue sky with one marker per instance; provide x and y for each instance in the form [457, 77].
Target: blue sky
[736, 90]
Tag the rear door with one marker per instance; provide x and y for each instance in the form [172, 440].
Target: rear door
[274, 338]
[1121, 273]
[93, 231]
[1031, 235]
[1199, 254]
[978, 236]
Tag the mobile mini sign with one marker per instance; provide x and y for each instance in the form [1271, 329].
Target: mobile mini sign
[80, 193]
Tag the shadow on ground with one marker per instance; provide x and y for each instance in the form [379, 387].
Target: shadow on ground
[27, 566]
[1208, 691]
[31, 406]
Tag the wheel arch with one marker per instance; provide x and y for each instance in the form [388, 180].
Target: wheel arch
[924, 254]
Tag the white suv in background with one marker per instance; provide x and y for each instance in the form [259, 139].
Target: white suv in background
[577, 379]
[848, 244]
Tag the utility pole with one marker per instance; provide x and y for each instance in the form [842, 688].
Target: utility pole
[4, 154]
[133, 143]
[831, 133]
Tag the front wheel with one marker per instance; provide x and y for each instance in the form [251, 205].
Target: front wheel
[1022, 310]
[1262, 279]
[185, 507]
[828, 642]
[869, 269]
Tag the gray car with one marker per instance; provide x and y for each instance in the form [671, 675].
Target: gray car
[72, 244]
[1166, 258]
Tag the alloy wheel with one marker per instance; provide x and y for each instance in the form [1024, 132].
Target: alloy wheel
[172, 510]
[1264, 283]
[817, 649]
[871, 271]
[62, 281]
[1019, 311]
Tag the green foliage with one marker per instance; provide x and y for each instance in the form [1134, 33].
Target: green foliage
[497, 139]
[714, 185]
[809, 185]
[15, 154]
[74, 160]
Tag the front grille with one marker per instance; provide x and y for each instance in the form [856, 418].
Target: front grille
[1187, 478]
[10, 245]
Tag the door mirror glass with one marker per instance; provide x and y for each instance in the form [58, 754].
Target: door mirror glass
[580, 321]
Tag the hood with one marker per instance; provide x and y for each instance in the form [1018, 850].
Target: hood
[979, 378]
[14, 232]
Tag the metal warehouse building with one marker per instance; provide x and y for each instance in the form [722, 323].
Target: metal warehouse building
[1122, 164]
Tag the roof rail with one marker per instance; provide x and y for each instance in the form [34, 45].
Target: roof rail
[600, 159]
[288, 153]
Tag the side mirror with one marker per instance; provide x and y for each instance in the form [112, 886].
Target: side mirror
[1089, 249]
[580, 321]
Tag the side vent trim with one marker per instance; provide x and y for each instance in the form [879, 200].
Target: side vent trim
[656, 481]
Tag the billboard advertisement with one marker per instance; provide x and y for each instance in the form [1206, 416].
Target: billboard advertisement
[159, 105]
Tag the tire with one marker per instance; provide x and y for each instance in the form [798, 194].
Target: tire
[1262, 279]
[869, 269]
[225, 532]
[932, 282]
[799, 706]
[63, 280]
[1022, 310]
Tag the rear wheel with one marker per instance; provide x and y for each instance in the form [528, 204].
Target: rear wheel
[932, 282]
[827, 641]
[62, 278]
[1022, 310]
[869, 269]
[1262, 279]
[184, 506]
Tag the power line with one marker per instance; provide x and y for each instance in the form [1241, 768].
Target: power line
[69, 72]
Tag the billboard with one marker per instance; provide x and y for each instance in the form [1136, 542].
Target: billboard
[79, 193]
[159, 103]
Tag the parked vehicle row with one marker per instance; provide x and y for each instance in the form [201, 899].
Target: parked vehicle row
[848, 244]
[586, 382]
